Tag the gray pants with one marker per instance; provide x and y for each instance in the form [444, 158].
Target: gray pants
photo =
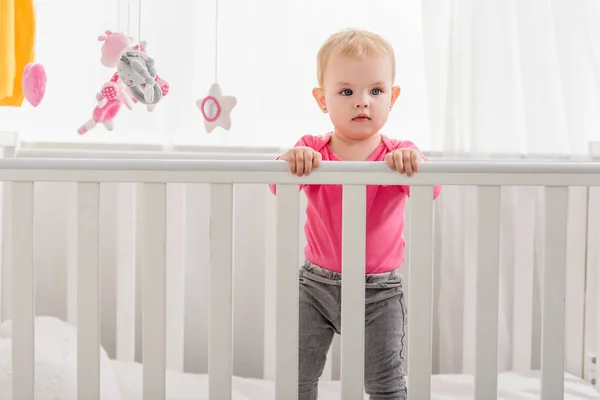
[320, 319]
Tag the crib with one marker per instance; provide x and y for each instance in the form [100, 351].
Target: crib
[151, 178]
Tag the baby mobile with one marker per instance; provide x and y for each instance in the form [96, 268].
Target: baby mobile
[20, 76]
[216, 108]
[135, 79]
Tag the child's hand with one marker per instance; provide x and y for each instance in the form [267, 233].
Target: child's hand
[302, 160]
[405, 161]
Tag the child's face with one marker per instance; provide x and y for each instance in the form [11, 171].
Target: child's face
[358, 94]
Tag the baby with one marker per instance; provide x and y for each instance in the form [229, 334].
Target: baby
[355, 71]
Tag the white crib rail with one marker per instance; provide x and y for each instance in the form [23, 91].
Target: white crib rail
[155, 175]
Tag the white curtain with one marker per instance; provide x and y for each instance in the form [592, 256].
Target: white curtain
[483, 76]
[479, 77]
[507, 79]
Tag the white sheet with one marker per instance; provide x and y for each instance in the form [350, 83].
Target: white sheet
[55, 362]
[182, 386]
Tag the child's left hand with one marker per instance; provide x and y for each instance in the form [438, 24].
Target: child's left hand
[405, 161]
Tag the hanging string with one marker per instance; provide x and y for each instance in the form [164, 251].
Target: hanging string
[128, 17]
[216, 39]
[140, 25]
[118, 15]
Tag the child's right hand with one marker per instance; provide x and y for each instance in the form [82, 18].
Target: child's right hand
[302, 160]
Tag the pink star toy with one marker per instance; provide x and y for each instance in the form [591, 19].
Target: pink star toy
[216, 109]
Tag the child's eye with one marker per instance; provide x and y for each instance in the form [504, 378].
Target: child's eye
[376, 92]
[346, 92]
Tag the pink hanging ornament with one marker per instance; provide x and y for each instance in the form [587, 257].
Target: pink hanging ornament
[216, 109]
[34, 83]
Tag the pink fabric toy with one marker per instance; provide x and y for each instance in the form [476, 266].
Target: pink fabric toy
[110, 98]
[115, 43]
[103, 113]
[34, 83]
[115, 89]
[140, 47]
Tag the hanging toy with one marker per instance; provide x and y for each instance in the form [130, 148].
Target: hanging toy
[34, 83]
[115, 43]
[216, 109]
[111, 97]
[115, 89]
[137, 72]
[104, 113]
[34, 78]
[109, 101]
[162, 83]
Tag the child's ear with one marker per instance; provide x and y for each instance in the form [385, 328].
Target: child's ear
[395, 94]
[319, 96]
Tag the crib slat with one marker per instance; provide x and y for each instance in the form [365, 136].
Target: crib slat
[575, 302]
[523, 279]
[488, 278]
[6, 260]
[286, 304]
[220, 361]
[126, 273]
[553, 293]
[88, 291]
[23, 351]
[353, 290]
[154, 291]
[421, 291]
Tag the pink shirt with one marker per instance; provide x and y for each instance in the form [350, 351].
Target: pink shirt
[385, 214]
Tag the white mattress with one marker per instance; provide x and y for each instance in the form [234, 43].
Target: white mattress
[182, 386]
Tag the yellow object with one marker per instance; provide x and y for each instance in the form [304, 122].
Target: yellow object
[17, 41]
[7, 47]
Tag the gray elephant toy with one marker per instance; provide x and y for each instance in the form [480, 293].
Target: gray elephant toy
[136, 70]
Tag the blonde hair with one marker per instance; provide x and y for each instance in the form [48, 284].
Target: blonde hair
[353, 43]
